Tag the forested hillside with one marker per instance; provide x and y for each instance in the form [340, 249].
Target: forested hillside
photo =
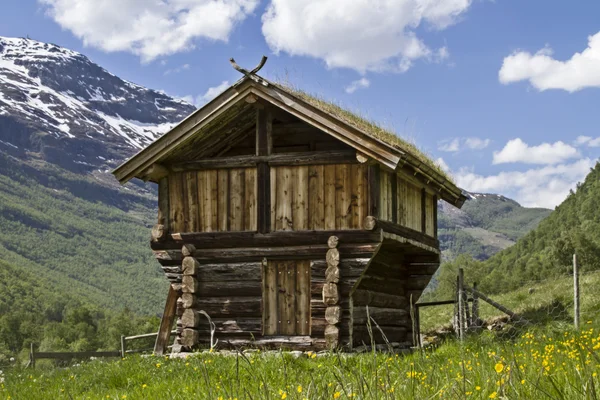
[545, 252]
[486, 224]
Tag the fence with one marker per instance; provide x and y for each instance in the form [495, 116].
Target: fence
[67, 356]
[569, 299]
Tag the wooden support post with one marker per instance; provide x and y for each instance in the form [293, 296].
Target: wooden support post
[166, 323]
[423, 210]
[575, 292]
[123, 346]
[394, 187]
[461, 304]
[264, 145]
[31, 356]
[475, 323]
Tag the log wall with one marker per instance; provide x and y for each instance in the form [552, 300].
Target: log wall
[407, 203]
[318, 197]
[213, 200]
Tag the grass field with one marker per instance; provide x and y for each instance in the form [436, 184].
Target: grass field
[545, 302]
[538, 364]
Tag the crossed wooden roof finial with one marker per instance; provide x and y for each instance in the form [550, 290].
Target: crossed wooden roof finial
[252, 73]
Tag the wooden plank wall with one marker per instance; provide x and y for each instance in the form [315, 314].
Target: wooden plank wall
[213, 200]
[408, 203]
[318, 197]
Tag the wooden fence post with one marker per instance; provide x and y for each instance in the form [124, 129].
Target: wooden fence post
[461, 304]
[123, 346]
[475, 309]
[31, 356]
[575, 292]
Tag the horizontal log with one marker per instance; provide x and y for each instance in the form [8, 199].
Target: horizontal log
[372, 223]
[304, 158]
[349, 268]
[224, 255]
[251, 271]
[233, 326]
[417, 282]
[174, 269]
[421, 269]
[363, 297]
[343, 287]
[277, 342]
[382, 285]
[218, 307]
[189, 265]
[318, 326]
[331, 294]
[360, 334]
[383, 316]
[64, 355]
[188, 300]
[333, 314]
[227, 288]
[189, 284]
[211, 240]
[332, 336]
[158, 232]
[189, 337]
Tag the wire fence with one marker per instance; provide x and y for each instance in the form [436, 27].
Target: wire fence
[570, 300]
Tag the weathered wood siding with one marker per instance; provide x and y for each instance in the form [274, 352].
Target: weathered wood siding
[318, 197]
[408, 203]
[213, 200]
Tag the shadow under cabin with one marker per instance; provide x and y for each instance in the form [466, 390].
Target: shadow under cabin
[289, 221]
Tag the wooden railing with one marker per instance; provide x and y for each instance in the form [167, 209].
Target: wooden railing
[70, 355]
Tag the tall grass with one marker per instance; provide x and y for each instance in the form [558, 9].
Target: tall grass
[538, 364]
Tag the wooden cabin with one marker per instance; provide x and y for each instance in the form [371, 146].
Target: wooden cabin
[289, 221]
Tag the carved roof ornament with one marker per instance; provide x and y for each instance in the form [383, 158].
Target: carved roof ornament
[252, 73]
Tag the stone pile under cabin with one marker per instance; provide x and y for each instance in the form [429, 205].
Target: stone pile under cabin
[289, 222]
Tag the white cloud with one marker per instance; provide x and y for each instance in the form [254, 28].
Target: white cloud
[546, 153]
[364, 35]
[581, 71]
[361, 83]
[542, 187]
[177, 70]
[456, 144]
[588, 141]
[442, 164]
[211, 93]
[149, 29]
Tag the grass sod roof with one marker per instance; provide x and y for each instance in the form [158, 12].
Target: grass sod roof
[369, 127]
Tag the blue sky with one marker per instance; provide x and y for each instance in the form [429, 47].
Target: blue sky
[495, 89]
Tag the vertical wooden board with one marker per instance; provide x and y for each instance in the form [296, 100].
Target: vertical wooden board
[163, 203]
[383, 187]
[343, 193]
[429, 207]
[270, 322]
[302, 297]
[236, 199]
[285, 193]
[273, 190]
[176, 202]
[213, 204]
[285, 297]
[250, 212]
[191, 190]
[329, 192]
[201, 193]
[394, 198]
[223, 199]
[373, 177]
[358, 198]
[415, 207]
[301, 199]
[402, 201]
[316, 197]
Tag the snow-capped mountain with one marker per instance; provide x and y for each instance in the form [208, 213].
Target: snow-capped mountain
[57, 105]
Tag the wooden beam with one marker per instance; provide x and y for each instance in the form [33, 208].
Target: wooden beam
[263, 176]
[372, 223]
[435, 217]
[264, 130]
[300, 158]
[394, 186]
[164, 332]
[210, 240]
[163, 204]
[423, 211]
[155, 172]
[374, 190]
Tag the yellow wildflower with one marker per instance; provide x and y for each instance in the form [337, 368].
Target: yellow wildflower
[493, 395]
[336, 395]
[499, 367]
[299, 389]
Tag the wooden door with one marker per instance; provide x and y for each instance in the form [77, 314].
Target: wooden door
[286, 298]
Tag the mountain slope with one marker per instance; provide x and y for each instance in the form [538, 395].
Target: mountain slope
[486, 224]
[65, 123]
